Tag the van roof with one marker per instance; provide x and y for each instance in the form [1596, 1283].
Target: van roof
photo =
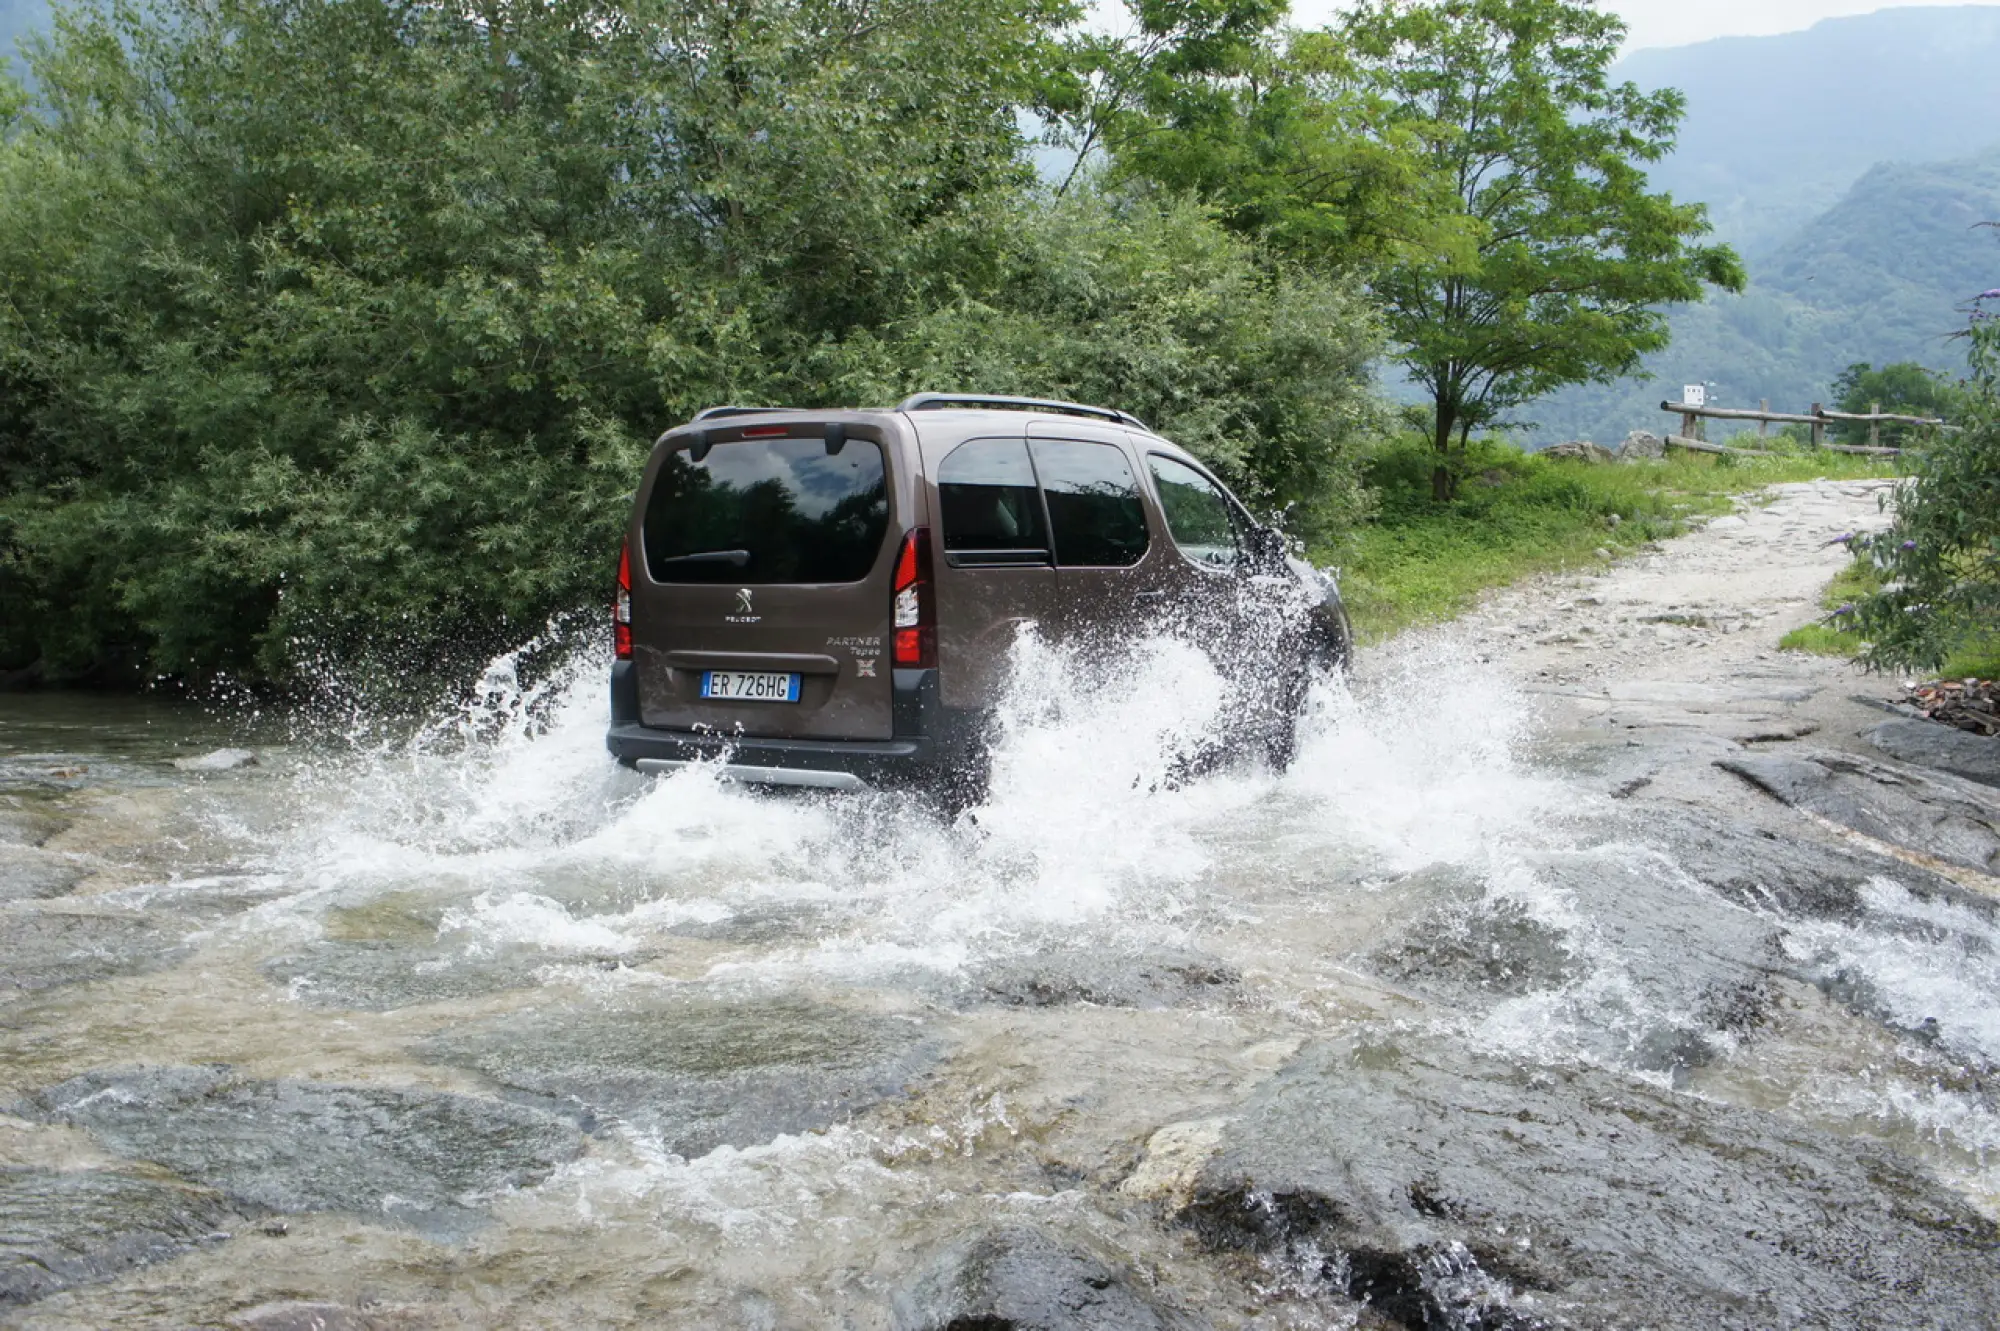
[987, 402]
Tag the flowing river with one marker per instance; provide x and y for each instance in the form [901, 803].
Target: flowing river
[1504, 1007]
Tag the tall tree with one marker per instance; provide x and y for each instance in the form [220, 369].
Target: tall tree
[1572, 256]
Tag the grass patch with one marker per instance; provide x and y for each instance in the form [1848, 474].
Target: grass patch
[1519, 514]
[1826, 636]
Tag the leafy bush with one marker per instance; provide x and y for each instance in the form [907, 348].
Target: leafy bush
[1940, 556]
[335, 322]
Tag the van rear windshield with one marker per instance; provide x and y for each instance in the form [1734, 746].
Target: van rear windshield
[768, 510]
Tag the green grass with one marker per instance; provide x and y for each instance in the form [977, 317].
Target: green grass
[1518, 514]
[1825, 636]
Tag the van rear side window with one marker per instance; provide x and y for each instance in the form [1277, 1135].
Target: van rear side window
[1093, 503]
[766, 511]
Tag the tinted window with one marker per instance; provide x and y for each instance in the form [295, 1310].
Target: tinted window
[992, 513]
[1199, 517]
[1093, 503]
[768, 510]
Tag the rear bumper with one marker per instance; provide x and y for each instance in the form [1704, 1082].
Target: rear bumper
[930, 742]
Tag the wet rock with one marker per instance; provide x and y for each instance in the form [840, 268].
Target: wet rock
[46, 948]
[27, 873]
[219, 760]
[1954, 821]
[1629, 958]
[1945, 748]
[403, 1154]
[1789, 876]
[1447, 1188]
[703, 1073]
[1641, 446]
[22, 824]
[59, 1229]
[1020, 1279]
[381, 976]
[1104, 978]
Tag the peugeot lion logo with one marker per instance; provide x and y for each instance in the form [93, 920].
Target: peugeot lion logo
[743, 606]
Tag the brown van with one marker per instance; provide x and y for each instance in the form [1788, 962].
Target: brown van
[827, 598]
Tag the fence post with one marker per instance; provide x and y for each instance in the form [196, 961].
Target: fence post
[1687, 425]
[1875, 426]
[1818, 427]
[1763, 427]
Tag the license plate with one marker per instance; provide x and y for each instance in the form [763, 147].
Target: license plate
[749, 686]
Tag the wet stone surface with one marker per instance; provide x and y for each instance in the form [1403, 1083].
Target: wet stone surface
[1017, 1278]
[398, 1155]
[700, 1073]
[383, 975]
[1937, 815]
[49, 947]
[1646, 964]
[60, 1229]
[1447, 1188]
[1107, 978]
[28, 873]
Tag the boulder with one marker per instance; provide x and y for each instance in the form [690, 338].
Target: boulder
[1642, 446]
[1579, 450]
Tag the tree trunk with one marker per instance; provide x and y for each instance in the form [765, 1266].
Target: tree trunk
[1444, 485]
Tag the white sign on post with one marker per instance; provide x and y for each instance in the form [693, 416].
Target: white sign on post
[1694, 395]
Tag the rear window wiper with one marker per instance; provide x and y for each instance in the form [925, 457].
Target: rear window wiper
[736, 557]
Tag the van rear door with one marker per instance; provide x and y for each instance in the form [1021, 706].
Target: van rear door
[761, 594]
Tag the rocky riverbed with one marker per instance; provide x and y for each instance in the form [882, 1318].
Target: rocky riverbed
[1597, 965]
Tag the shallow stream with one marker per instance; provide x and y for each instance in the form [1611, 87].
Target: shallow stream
[468, 1026]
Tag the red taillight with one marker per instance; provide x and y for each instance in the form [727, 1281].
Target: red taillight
[915, 606]
[621, 608]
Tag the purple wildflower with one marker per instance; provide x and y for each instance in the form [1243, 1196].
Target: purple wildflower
[1909, 545]
[1994, 294]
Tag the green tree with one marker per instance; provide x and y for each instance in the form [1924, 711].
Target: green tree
[1572, 256]
[337, 322]
[1940, 556]
[1904, 388]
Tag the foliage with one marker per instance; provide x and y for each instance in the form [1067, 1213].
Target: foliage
[1515, 514]
[1574, 256]
[1275, 128]
[1940, 555]
[1904, 388]
[341, 321]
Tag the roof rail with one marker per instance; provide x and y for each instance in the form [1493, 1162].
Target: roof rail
[939, 401]
[713, 413]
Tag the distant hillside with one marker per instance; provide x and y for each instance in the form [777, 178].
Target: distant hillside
[1777, 128]
[1877, 277]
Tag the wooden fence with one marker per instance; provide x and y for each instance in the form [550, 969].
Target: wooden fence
[1765, 417]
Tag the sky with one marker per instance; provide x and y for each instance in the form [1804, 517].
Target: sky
[1679, 22]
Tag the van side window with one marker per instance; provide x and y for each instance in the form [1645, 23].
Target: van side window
[1198, 516]
[992, 513]
[1094, 503]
